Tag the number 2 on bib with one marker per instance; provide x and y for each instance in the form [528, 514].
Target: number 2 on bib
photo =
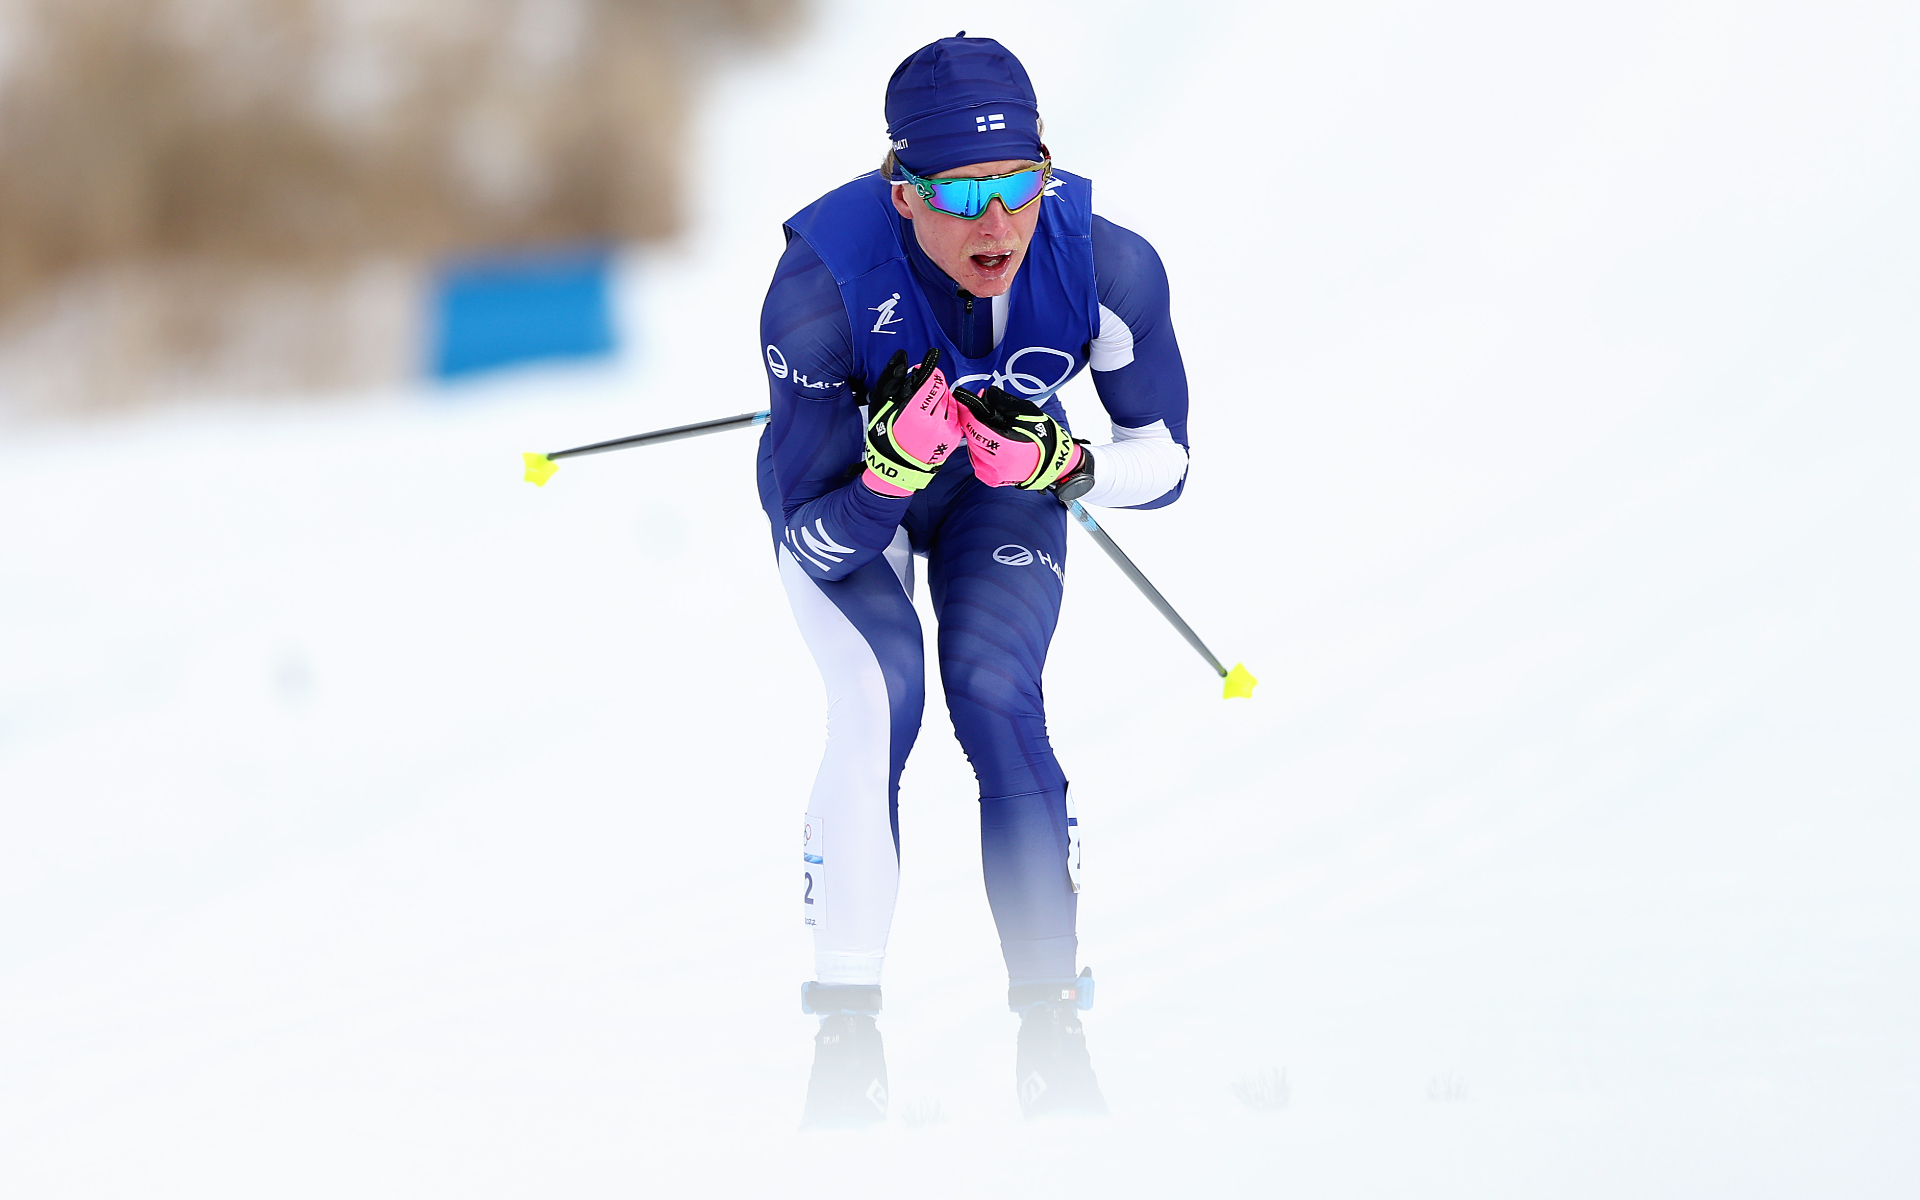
[813, 898]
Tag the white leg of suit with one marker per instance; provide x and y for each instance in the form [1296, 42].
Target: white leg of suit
[858, 877]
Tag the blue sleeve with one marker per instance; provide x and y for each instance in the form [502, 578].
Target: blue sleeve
[834, 524]
[1153, 387]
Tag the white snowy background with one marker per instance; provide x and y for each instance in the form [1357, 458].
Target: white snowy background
[374, 824]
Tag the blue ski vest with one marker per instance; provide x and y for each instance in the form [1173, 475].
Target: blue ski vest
[1053, 309]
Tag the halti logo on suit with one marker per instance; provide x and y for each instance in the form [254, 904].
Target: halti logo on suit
[777, 364]
[1011, 555]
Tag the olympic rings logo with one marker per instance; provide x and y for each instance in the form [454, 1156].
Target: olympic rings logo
[1008, 378]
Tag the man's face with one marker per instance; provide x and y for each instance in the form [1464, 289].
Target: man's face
[981, 255]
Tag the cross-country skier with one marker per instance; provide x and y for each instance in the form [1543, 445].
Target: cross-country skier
[950, 294]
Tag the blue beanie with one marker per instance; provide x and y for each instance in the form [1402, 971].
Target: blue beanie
[960, 101]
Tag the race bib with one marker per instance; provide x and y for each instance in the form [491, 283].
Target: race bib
[813, 901]
[1073, 842]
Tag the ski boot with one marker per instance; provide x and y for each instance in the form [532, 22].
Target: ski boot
[848, 1088]
[1052, 1073]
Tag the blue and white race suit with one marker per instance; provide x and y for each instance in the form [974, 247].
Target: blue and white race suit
[852, 287]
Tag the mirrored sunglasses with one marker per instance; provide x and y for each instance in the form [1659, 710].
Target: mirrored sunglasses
[968, 198]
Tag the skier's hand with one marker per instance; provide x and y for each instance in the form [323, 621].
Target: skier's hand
[1013, 442]
[912, 426]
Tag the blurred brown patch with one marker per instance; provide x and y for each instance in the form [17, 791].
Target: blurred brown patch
[172, 169]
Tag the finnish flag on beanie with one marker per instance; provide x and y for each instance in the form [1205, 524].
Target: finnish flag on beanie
[960, 101]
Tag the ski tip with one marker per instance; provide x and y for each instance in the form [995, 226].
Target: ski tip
[540, 468]
[1240, 683]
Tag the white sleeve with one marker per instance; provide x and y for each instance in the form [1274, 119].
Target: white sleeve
[1137, 466]
[1113, 345]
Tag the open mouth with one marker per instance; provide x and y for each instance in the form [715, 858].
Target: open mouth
[989, 263]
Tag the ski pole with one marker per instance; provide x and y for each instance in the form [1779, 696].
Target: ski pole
[540, 467]
[1239, 680]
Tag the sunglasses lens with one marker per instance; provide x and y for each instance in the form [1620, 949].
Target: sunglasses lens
[1022, 189]
[969, 197]
[956, 197]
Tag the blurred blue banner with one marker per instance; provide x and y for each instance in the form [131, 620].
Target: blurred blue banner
[498, 309]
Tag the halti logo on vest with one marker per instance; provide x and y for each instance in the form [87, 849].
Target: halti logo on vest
[885, 309]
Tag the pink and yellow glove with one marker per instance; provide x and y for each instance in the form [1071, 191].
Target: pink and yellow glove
[1014, 443]
[913, 424]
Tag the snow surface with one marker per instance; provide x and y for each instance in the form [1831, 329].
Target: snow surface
[374, 824]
